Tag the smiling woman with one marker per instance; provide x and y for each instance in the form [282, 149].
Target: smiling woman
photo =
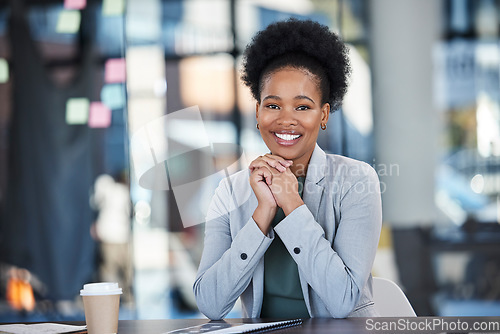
[302, 243]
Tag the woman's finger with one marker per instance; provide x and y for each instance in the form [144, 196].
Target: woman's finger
[264, 162]
[264, 173]
[277, 159]
[274, 161]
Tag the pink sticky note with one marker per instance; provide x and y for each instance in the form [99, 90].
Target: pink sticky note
[75, 4]
[115, 70]
[99, 115]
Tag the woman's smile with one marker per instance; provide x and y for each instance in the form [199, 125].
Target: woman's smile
[287, 138]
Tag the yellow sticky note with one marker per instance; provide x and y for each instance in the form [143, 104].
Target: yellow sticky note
[77, 110]
[4, 71]
[68, 22]
[113, 7]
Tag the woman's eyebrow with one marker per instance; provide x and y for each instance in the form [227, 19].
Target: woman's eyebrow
[300, 97]
[274, 97]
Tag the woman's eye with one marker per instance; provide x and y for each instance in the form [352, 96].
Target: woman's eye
[303, 108]
[273, 106]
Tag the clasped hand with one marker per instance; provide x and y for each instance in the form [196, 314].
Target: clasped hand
[275, 186]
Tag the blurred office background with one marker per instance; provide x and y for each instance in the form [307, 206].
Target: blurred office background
[119, 117]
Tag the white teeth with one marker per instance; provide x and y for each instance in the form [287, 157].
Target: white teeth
[286, 136]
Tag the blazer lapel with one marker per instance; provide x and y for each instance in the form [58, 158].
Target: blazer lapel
[313, 193]
[313, 188]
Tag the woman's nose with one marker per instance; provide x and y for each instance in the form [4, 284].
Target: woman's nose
[287, 117]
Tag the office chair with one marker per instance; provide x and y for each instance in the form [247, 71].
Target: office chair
[390, 300]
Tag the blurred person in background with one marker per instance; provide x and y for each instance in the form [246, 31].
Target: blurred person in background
[295, 234]
[112, 231]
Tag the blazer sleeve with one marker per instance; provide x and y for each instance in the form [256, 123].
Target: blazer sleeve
[227, 265]
[338, 272]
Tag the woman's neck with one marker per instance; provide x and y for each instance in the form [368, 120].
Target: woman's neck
[299, 166]
[298, 169]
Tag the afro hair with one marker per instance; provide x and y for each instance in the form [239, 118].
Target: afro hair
[303, 44]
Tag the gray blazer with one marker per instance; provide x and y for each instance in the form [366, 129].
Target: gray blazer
[333, 238]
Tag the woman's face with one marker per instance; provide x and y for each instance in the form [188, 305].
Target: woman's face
[290, 114]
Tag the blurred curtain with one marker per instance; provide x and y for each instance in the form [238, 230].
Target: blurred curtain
[47, 215]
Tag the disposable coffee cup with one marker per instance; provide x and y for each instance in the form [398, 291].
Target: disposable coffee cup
[101, 302]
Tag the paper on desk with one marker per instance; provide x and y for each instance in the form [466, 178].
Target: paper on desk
[45, 328]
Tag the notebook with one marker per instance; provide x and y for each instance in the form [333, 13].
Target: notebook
[236, 328]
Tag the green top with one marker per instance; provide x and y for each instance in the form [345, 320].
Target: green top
[283, 296]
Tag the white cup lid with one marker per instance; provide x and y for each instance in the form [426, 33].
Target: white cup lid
[100, 289]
